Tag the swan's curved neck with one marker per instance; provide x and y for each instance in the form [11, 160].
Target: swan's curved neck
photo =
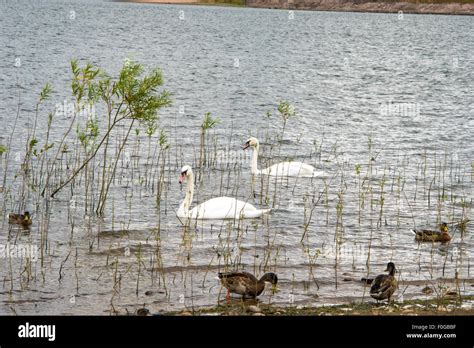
[188, 199]
[253, 166]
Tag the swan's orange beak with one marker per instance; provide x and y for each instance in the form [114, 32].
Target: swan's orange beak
[182, 177]
[246, 146]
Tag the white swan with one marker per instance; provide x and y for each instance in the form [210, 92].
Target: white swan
[215, 208]
[280, 169]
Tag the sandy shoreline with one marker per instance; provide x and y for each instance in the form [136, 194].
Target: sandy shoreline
[434, 306]
[344, 6]
[168, 1]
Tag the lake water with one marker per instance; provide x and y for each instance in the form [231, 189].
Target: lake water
[404, 83]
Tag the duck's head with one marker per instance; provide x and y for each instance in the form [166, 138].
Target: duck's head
[444, 227]
[143, 312]
[185, 172]
[390, 268]
[270, 278]
[251, 142]
[27, 215]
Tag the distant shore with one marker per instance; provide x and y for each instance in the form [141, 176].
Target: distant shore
[410, 6]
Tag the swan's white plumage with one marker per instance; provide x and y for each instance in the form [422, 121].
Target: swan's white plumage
[290, 169]
[223, 208]
[282, 169]
[215, 208]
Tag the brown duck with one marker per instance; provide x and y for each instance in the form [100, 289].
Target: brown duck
[433, 236]
[20, 219]
[246, 284]
[384, 285]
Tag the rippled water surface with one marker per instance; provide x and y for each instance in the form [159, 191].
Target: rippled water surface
[383, 106]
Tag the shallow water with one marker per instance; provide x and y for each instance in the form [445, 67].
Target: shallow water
[341, 71]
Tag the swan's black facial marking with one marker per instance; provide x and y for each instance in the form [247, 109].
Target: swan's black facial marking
[183, 176]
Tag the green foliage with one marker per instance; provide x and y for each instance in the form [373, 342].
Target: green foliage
[286, 110]
[209, 122]
[357, 169]
[47, 147]
[45, 92]
[133, 95]
[151, 129]
[3, 149]
[92, 127]
[33, 143]
[163, 139]
[139, 94]
[82, 136]
[82, 84]
[90, 132]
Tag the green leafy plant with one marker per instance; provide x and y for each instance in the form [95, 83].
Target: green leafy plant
[286, 111]
[3, 149]
[163, 140]
[131, 97]
[208, 122]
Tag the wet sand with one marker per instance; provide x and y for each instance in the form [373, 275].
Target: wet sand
[457, 305]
